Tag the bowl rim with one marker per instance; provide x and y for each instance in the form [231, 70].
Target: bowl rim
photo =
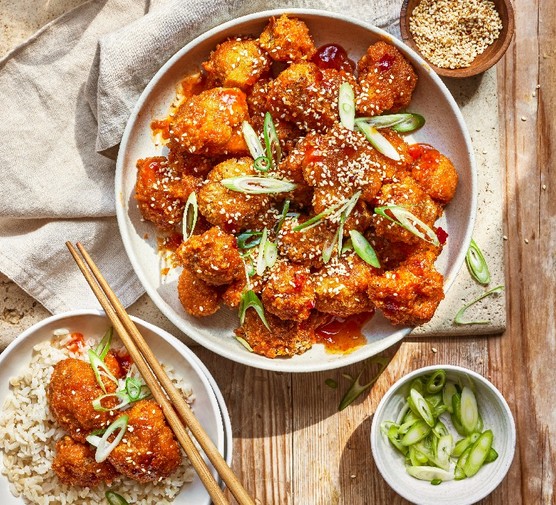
[246, 358]
[375, 434]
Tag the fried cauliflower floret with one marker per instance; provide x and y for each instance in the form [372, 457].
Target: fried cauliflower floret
[197, 297]
[307, 96]
[435, 174]
[237, 63]
[409, 294]
[231, 210]
[289, 292]
[341, 286]
[71, 392]
[287, 39]
[285, 337]
[410, 196]
[213, 256]
[161, 191]
[148, 450]
[210, 123]
[386, 78]
[75, 464]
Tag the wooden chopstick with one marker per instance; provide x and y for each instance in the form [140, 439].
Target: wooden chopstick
[162, 388]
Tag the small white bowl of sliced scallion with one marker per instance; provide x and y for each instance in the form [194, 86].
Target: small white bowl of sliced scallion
[443, 434]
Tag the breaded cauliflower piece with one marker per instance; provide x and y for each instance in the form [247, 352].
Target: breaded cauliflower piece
[289, 292]
[210, 123]
[341, 286]
[409, 195]
[237, 63]
[213, 256]
[409, 294]
[287, 39]
[233, 211]
[434, 173]
[197, 297]
[386, 78]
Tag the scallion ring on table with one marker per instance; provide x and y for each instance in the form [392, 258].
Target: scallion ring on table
[377, 140]
[103, 347]
[190, 216]
[252, 140]
[346, 106]
[271, 140]
[100, 369]
[104, 448]
[363, 249]
[402, 217]
[402, 123]
[459, 316]
[477, 264]
[249, 239]
[256, 185]
[115, 498]
[249, 299]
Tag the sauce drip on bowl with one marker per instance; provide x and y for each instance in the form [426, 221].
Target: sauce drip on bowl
[343, 335]
[333, 56]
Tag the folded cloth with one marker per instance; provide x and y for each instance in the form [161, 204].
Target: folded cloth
[65, 97]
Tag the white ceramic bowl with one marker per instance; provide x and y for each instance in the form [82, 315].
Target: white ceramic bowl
[208, 406]
[445, 129]
[496, 416]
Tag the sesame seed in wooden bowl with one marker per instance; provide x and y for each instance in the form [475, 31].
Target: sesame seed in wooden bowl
[458, 38]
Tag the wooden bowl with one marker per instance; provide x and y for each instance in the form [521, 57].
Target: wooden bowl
[482, 62]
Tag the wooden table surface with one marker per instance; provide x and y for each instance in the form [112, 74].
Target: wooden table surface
[292, 446]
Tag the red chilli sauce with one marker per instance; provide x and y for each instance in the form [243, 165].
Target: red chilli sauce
[343, 335]
[333, 56]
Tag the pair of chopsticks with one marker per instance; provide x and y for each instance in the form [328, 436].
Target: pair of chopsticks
[177, 411]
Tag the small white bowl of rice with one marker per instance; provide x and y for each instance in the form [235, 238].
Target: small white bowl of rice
[28, 432]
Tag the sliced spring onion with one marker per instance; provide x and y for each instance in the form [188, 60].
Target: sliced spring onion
[331, 383]
[135, 388]
[402, 217]
[443, 451]
[271, 140]
[115, 498]
[124, 398]
[190, 216]
[402, 123]
[348, 246]
[419, 430]
[440, 430]
[103, 447]
[436, 381]
[394, 436]
[261, 263]
[455, 416]
[262, 164]
[447, 393]
[417, 384]
[459, 474]
[249, 299]
[356, 389]
[377, 140]
[429, 473]
[270, 254]
[255, 185]
[478, 454]
[249, 239]
[469, 416]
[477, 264]
[283, 215]
[346, 105]
[350, 205]
[459, 316]
[252, 140]
[423, 408]
[244, 343]
[492, 456]
[100, 369]
[328, 249]
[363, 249]
[103, 347]
[463, 444]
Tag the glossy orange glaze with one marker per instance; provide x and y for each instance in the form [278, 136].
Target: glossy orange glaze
[333, 56]
[342, 336]
[124, 360]
[162, 127]
[77, 341]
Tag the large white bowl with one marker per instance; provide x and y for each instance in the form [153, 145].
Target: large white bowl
[445, 129]
[496, 415]
[208, 406]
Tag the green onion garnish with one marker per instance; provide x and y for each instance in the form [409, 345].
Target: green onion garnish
[101, 443]
[270, 253]
[477, 264]
[409, 222]
[283, 216]
[478, 454]
[255, 185]
[104, 345]
[436, 381]
[190, 215]
[469, 412]
[271, 140]
[346, 105]
[252, 140]
[262, 164]
[328, 249]
[134, 388]
[402, 123]
[120, 395]
[115, 499]
[261, 264]
[377, 140]
[249, 239]
[422, 407]
[331, 383]
[363, 249]
[244, 343]
[430, 473]
[459, 316]
[100, 369]
[356, 389]
[249, 299]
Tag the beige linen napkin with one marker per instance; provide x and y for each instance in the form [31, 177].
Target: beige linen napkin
[90, 64]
